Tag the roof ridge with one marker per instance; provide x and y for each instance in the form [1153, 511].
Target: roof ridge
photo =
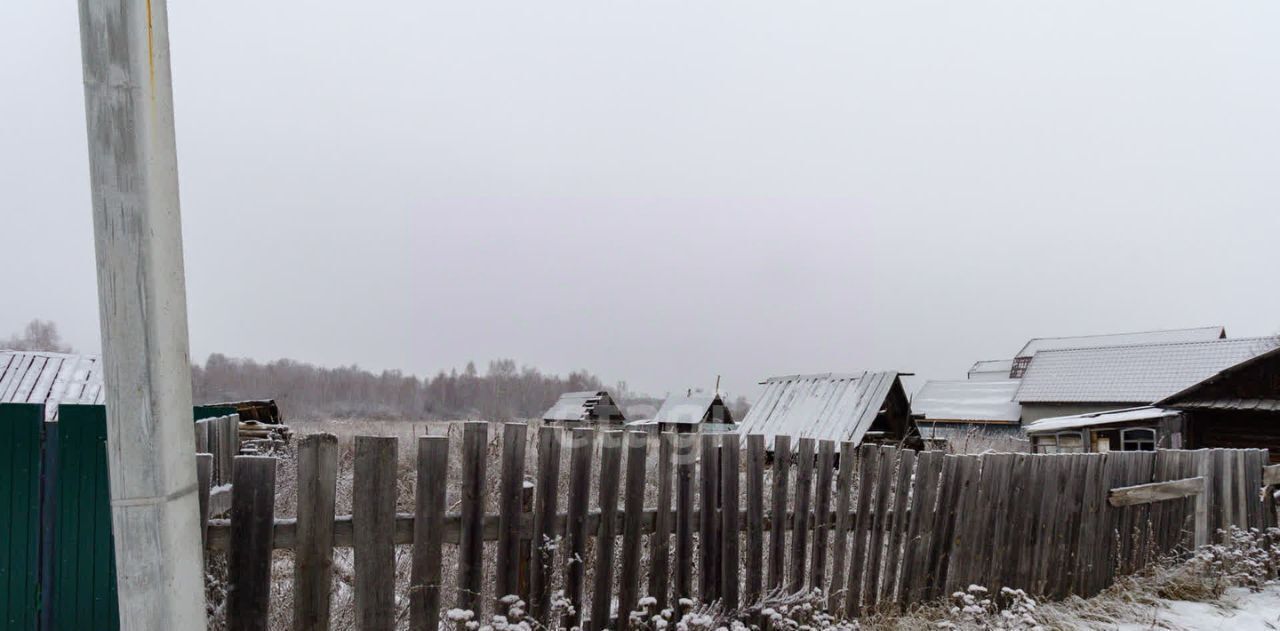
[1067, 337]
[1155, 344]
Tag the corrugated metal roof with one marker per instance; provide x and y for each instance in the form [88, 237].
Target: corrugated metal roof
[967, 401]
[1130, 374]
[823, 406]
[687, 410]
[50, 378]
[1060, 423]
[991, 369]
[1171, 336]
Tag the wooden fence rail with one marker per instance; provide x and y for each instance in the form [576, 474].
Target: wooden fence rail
[875, 529]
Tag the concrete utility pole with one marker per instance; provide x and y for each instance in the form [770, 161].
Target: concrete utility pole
[143, 308]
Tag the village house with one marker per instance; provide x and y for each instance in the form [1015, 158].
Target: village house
[1235, 407]
[946, 409]
[1075, 381]
[691, 412]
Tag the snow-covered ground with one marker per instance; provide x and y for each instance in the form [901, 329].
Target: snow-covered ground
[1239, 609]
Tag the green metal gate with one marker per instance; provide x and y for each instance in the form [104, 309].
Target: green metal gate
[83, 594]
[20, 441]
[57, 557]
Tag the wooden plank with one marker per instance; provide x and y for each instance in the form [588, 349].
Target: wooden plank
[546, 500]
[427, 574]
[1022, 496]
[1090, 514]
[660, 542]
[373, 513]
[610, 479]
[729, 519]
[708, 539]
[893, 555]
[778, 514]
[997, 481]
[685, 522]
[1202, 506]
[964, 535]
[581, 450]
[633, 509]
[204, 477]
[822, 512]
[1271, 474]
[1155, 492]
[475, 464]
[755, 518]
[510, 494]
[1067, 538]
[944, 528]
[249, 562]
[880, 526]
[1055, 470]
[844, 519]
[317, 480]
[801, 519]
[924, 497]
[868, 465]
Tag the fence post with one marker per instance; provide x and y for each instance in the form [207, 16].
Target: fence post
[509, 500]
[252, 530]
[544, 521]
[1202, 505]
[313, 553]
[428, 533]
[475, 438]
[633, 517]
[729, 559]
[610, 469]
[204, 478]
[580, 454]
[373, 508]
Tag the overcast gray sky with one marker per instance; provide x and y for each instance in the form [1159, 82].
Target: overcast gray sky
[667, 191]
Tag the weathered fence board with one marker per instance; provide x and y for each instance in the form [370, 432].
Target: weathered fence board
[373, 513]
[428, 534]
[249, 562]
[313, 554]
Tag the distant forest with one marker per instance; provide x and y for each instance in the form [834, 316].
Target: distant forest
[303, 390]
[503, 391]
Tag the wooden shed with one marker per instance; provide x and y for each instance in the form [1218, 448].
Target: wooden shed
[1237, 408]
[592, 406]
[691, 413]
[855, 407]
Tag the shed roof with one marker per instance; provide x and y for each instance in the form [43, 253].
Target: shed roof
[576, 406]
[973, 400]
[1140, 373]
[687, 409]
[1244, 386]
[991, 369]
[825, 406]
[1129, 415]
[1201, 334]
[51, 379]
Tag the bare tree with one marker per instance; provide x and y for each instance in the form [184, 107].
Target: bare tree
[39, 335]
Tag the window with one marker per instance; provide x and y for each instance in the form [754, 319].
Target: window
[1046, 444]
[1140, 439]
[1070, 443]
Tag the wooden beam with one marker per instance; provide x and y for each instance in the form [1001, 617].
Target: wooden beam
[1271, 475]
[1156, 492]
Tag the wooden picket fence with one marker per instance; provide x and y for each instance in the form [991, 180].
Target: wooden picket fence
[874, 527]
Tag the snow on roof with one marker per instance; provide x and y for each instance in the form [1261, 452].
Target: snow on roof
[991, 369]
[1059, 423]
[974, 400]
[687, 410]
[50, 379]
[578, 406]
[1201, 334]
[825, 406]
[1130, 374]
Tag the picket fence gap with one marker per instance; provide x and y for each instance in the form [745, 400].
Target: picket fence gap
[882, 529]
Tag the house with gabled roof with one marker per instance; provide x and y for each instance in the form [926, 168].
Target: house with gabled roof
[1063, 382]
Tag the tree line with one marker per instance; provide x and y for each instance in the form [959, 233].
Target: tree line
[502, 392]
